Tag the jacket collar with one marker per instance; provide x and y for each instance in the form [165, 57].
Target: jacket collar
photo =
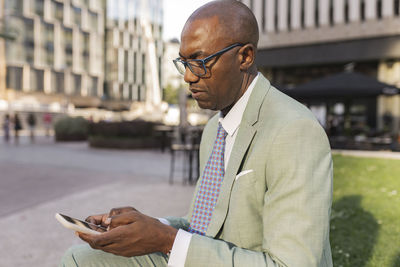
[245, 136]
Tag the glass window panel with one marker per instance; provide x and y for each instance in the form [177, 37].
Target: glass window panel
[77, 84]
[143, 69]
[36, 79]
[68, 46]
[57, 82]
[93, 20]
[59, 11]
[14, 6]
[39, 7]
[77, 15]
[48, 37]
[92, 86]
[14, 77]
[126, 66]
[85, 50]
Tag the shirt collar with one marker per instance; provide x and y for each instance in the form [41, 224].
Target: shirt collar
[232, 120]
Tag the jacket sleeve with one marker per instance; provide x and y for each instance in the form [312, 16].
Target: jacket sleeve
[296, 208]
[178, 222]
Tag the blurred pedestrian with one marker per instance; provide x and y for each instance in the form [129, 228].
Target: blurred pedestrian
[47, 119]
[17, 128]
[6, 128]
[32, 123]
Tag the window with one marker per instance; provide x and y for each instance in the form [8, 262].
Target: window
[15, 6]
[57, 82]
[39, 7]
[262, 16]
[379, 9]
[134, 67]
[126, 66]
[68, 46]
[316, 13]
[276, 19]
[36, 80]
[346, 11]
[14, 78]
[85, 50]
[59, 11]
[331, 20]
[143, 69]
[77, 84]
[93, 20]
[362, 10]
[29, 43]
[302, 15]
[92, 86]
[396, 6]
[77, 15]
[48, 31]
[289, 15]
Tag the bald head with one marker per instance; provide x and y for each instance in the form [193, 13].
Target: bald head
[236, 22]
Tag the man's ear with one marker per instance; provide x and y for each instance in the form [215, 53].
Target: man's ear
[247, 56]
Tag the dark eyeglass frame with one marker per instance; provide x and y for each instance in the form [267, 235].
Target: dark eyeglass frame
[202, 61]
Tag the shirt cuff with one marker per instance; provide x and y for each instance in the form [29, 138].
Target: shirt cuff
[164, 221]
[180, 249]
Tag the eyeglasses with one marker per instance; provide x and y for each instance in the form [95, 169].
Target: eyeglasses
[198, 66]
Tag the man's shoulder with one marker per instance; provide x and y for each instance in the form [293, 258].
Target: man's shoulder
[283, 107]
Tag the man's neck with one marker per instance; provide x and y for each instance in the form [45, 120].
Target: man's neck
[247, 79]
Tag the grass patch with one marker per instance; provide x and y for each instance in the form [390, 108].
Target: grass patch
[365, 223]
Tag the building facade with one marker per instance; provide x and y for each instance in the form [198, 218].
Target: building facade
[128, 71]
[77, 53]
[302, 40]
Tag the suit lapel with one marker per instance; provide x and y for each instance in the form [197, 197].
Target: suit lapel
[243, 140]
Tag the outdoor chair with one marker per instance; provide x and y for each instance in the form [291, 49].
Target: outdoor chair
[186, 143]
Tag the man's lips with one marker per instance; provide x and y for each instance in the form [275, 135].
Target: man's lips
[196, 92]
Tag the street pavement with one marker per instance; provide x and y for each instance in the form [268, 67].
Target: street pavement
[37, 180]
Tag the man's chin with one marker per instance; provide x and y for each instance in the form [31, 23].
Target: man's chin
[205, 105]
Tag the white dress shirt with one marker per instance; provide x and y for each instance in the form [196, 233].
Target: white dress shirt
[230, 123]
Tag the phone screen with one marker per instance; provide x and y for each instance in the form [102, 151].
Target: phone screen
[83, 223]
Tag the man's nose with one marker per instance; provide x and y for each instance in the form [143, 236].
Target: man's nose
[189, 77]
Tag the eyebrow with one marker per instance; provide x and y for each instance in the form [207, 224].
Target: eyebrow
[193, 56]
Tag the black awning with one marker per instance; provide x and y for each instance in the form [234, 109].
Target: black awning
[344, 84]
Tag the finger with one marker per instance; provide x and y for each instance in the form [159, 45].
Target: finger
[96, 219]
[120, 210]
[97, 241]
[123, 219]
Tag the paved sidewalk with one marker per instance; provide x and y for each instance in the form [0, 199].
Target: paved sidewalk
[368, 154]
[92, 181]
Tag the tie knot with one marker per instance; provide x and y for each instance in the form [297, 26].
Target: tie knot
[221, 134]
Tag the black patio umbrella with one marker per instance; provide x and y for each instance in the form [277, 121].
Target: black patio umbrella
[344, 84]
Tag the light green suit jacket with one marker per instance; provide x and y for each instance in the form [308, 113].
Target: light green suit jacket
[278, 213]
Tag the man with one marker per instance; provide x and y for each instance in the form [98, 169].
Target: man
[265, 192]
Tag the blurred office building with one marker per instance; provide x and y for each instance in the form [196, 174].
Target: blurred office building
[76, 55]
[305, 40]
[171, 78]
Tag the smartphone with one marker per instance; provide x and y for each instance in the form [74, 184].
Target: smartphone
[78, 225]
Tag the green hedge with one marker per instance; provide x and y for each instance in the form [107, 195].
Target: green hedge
[71, 129]
[123, 135]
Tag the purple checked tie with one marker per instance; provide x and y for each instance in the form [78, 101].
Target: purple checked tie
[209, 188]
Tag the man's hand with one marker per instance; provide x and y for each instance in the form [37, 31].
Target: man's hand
[133, 234]
[104, 219]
